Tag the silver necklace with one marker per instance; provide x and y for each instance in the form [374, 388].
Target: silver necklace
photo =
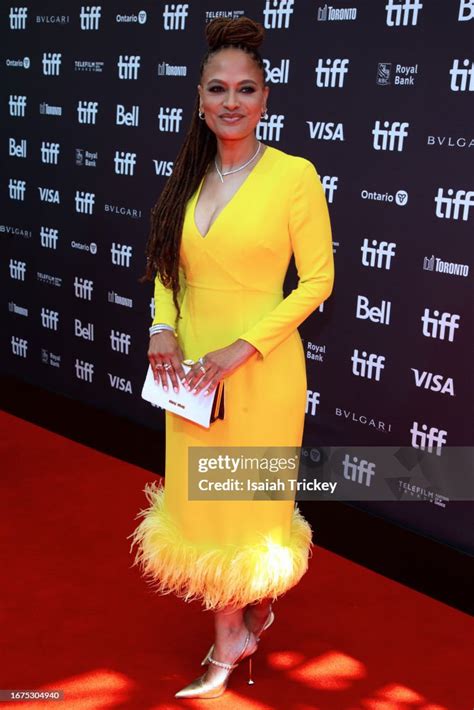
[236, 170]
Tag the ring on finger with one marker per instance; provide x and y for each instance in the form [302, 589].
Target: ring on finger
[167, 365]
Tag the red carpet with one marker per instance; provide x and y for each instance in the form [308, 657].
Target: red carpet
[76, 617]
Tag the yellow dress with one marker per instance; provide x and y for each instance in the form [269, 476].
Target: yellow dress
[234, 552]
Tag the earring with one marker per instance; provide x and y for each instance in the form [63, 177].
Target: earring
[265, 113]
[201, 115]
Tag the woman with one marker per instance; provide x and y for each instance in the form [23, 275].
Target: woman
[223, 233]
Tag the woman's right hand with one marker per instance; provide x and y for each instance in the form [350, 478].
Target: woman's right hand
[165, 357]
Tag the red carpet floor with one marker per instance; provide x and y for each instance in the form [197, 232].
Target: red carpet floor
[76, 617]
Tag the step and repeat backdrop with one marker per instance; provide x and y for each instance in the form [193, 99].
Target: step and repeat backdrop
[95, 103]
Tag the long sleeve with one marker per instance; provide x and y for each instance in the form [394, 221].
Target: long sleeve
[311, 239]
[165, 310]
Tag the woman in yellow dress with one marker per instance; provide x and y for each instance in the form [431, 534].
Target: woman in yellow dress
[223, 232]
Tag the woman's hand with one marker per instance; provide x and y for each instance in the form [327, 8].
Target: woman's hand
[217, 365]
[165, 357]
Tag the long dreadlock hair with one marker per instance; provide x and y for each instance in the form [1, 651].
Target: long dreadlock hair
[198, 149]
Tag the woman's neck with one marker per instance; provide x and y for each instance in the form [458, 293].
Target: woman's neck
[232, 154]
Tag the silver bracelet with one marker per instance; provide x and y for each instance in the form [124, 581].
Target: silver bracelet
[158, 327]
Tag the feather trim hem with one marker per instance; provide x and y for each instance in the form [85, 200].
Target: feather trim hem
[219, 577]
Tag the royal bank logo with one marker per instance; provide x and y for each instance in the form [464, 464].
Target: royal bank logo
[462, 78]
[90, 17]
[277, 14]
[50, 358]
[404, 13]
[174, 16]
[18, 17]
[330, 73]
[17, 105]
[396, 74]
[329, 13]
[86, 158]
[51, 63]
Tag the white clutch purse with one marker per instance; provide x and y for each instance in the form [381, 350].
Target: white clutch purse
[199, 408]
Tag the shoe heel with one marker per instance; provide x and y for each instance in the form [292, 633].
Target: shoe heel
[250, 680]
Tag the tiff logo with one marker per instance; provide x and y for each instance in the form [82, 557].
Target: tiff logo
[49, 318]
[400, 13]
[19, 346]
[49, 237]
[391, 136]
[84, 202]
[329, 183]
[439, 325]
[312, 400]
[90, 16]
[277, 14]
[17, 269]
[424, 438]
[128, 66]
[84, 370]
[359, 471]
[17, 105]
[332, 75]
[83, 288]
[18, 17]
[460, 77]
[124, 162]
[378, 257]
[121, 254]
[174, 16]
[449, 207]
[16, 189]
[169, 119]
[270, 129]
[49, 153]
[124, 118]
[51, 63]
[369, 366]
[17, 150]
[87, 111]
[120, 342]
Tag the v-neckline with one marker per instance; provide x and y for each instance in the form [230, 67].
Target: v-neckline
[239, 189]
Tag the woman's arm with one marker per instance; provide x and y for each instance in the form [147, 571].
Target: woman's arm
[311, 239]
[165, 310]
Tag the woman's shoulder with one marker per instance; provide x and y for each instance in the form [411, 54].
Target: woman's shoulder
[296, 164]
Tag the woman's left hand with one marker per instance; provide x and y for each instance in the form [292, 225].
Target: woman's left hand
[218, 364]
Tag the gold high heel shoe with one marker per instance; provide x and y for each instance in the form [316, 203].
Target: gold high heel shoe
[268, 622]
[200, 688]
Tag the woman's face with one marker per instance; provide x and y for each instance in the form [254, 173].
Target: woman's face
[232, 94]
